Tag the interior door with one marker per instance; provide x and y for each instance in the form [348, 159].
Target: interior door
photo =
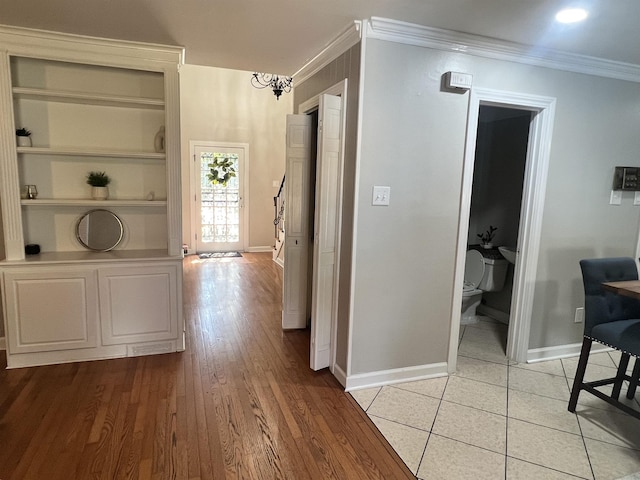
[219, 209]
[326, 225]
[296, 240]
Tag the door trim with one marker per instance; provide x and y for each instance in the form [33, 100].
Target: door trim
[533, 195]
[193, 144]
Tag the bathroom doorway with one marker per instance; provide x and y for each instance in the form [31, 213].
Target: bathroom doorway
[496, 198]
[528, 198]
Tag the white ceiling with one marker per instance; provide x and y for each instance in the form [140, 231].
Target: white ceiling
[279, 36]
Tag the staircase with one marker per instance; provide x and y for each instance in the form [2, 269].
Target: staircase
[278, 225]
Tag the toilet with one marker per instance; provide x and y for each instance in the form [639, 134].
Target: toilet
[483, 272]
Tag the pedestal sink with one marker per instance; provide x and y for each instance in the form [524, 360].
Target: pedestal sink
[509, 253]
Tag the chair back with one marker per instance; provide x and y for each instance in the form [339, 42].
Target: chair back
[601, 306]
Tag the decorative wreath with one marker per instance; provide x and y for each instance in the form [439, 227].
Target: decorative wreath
[222, 170]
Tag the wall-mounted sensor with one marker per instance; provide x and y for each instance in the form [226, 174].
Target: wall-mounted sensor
[458, 80]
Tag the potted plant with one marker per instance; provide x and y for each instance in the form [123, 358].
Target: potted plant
[23, 137]
[99, 182]
[487, 237]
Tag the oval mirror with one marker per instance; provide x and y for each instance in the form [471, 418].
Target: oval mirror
[99, 230]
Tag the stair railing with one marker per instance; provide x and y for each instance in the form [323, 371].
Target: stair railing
[278, 205]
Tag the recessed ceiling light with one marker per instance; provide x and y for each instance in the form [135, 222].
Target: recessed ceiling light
[571, 15]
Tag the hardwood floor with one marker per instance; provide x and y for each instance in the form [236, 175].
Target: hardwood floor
[240, 402]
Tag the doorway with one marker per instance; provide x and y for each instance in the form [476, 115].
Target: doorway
[218, 219]
[541, 110]
[496, 200]
[313, 216]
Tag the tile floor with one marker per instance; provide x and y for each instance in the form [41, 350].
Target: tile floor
[496, 420]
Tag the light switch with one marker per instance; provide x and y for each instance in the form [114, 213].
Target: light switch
[616, 197]
[381, 195]
[636, 199]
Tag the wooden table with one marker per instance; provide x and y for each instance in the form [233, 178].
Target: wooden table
[629, 288]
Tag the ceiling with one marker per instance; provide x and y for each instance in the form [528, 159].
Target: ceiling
[279, 36]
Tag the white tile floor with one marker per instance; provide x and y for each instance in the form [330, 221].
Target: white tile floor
[492, 420]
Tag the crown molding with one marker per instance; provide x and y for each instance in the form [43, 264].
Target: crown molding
[66, 46]
[343, 42]
[447, 40]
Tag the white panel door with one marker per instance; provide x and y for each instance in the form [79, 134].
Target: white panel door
[219, 209]
[326, 225]
[296, 243]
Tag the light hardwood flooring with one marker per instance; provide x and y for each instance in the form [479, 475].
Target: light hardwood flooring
[240, 402]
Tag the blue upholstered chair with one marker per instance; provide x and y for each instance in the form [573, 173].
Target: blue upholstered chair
[612, 320]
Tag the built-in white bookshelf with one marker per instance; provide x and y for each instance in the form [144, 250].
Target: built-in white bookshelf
[91, 105]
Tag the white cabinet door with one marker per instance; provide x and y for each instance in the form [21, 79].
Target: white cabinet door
[49, 309]
[138, 303]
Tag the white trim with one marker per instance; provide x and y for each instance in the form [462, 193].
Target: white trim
[338, 90]
[356, 203]
[439, 39]
[3, 343]
[245, 189]
[343, 42]
[499, 315]
[562, 351]
[533, 194]
[259, 249]
[396, 375]
[279, 261]
[340, 375]
[86, 49]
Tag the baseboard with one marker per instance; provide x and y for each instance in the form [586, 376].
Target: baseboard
[494, 313]
[279, 261]
[262, 249]
[340, 375]
[398, 375]
[3, 343]
[561, 351]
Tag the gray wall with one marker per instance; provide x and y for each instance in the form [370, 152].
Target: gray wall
[345, 66]
[413, 138]
[498, 173]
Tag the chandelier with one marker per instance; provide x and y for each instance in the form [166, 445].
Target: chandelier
[277, 83]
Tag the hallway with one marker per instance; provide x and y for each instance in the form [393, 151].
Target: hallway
[240, 402]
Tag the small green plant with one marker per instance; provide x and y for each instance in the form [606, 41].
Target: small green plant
[23, 132]
[487, 236]
[222, 170]
[98, 179]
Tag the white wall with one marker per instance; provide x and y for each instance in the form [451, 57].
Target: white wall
[221, 105]
[413, 138]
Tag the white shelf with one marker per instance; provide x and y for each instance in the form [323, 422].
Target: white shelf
[61, 202]
[90, 152]
[87, 98]
[89, 256]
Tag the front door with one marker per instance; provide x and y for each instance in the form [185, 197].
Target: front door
[219, 208]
